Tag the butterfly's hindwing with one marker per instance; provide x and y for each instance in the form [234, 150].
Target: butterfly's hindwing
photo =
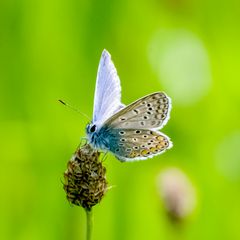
[149, 112]
[137, 144]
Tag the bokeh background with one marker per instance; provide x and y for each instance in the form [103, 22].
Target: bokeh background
[50, 50]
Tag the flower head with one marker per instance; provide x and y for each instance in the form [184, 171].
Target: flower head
[85, 180]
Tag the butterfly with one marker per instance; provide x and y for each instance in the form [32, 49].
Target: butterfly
[128, 132]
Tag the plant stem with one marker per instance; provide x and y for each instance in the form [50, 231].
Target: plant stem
[89, 223]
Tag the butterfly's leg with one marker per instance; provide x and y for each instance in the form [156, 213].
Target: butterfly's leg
[83, 141]
[104, 156]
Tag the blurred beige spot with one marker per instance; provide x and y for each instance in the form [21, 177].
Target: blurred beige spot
[182, 64]
[177, 193]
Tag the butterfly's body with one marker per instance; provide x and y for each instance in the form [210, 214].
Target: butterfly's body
[99, 139]
[130, 132]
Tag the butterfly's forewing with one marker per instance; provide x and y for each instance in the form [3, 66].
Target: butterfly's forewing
[149, 112]
[137, 144]
[107, 99]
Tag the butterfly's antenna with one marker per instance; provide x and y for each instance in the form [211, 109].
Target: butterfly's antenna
[74, 109]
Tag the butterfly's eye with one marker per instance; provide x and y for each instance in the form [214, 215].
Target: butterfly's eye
[93, 128]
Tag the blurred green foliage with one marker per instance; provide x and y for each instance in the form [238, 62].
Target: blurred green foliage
[51, 49]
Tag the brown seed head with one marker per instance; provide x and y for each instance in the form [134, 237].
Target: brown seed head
[85, 179]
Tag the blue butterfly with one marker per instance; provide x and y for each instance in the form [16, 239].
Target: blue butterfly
[128, 132]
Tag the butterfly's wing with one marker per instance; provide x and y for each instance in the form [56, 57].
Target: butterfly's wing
[137, 144]
[107, 99]
[131, 132]
[149, 112]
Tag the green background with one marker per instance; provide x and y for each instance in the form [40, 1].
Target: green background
[50, 49]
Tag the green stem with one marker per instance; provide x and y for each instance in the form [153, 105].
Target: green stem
[89, 224]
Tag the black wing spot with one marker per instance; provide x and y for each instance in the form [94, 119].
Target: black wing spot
[136, 111]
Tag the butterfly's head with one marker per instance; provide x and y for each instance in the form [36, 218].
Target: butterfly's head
[91, 129]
